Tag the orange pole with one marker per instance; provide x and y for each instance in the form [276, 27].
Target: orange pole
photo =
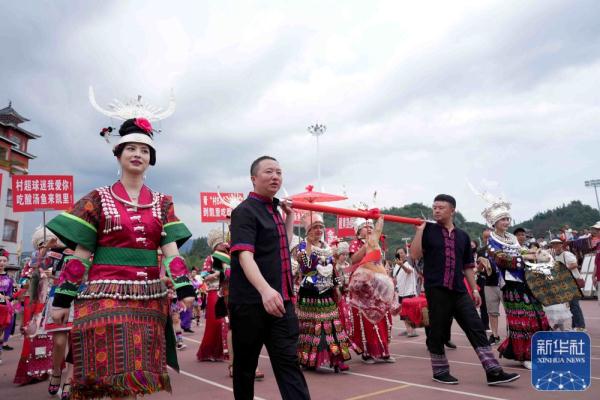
[370, 214]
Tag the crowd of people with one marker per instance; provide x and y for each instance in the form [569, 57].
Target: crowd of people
[107, 294]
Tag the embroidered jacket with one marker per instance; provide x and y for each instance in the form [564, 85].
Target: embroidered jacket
[124, 241]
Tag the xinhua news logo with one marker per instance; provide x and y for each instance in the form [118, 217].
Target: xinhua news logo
[561, 361]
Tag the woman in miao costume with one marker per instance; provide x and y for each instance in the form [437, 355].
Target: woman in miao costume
[35, 363]
[214, 342]
[369, 339]
[524, 314]
[53, 263]
[323, 339]
[122, 338]
[7, 312]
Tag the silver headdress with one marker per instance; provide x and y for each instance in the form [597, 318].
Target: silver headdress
[360, 223]
[133, 108]
[497, 208]
[231, 201]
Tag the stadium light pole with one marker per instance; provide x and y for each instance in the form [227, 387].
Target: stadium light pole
[594, 183]
[318, 130]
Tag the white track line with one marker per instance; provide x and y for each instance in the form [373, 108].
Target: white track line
[379, 378]
[467, 363]
[198, 378]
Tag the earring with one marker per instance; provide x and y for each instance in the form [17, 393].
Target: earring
[118, 172]
[144, 177]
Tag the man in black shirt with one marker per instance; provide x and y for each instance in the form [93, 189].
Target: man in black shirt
[448, 259]
[260, 288]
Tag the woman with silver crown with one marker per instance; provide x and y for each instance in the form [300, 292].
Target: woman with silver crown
[122, 338]
[524, 314]
[323, 339]
[370, 340]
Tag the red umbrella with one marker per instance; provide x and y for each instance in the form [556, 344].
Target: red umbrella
[315, 197]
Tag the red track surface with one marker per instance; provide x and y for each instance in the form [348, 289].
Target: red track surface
[409, 377]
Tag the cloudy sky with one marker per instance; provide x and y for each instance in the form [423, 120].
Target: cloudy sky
[417, 97]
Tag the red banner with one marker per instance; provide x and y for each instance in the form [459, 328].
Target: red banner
[345, 226]
[42, 192]
[212, 208]
[329, 235]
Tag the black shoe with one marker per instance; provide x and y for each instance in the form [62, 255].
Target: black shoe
[496, 378]
[450, 345]
[447, 379]
[7, 347]
[188, 331]
[492, 340]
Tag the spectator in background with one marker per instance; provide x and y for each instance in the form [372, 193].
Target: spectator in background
[405, 277]
[492, 292]
[570, 261]
[521, 236]
[595, 242]
[595, 234]
[480, 275]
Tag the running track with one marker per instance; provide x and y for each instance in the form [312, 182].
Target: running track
[409, 377]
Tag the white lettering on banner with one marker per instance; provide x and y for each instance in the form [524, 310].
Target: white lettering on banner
[65, 184]
[205, 212]
[571, 347]
[58, 199]
[35, 185]
[57, 184]
[28, 199]
[43, 199]
[19, 185]
[27, 185]
[36, 199]
[43, 185]
[50, 198]
[211, 212]
[19, 199]
[51, 185]
[65, 198]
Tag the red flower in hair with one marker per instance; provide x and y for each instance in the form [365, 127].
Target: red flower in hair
[143, 124]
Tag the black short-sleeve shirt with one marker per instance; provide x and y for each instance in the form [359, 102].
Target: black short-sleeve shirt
[256, 226]
[445, 256]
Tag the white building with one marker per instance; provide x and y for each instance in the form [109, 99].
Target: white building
[14, 160]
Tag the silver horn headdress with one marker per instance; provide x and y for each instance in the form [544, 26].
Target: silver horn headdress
[133, 108]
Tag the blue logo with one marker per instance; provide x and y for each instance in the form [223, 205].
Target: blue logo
[561, 361]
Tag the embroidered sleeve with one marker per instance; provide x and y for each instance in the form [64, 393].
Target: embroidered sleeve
[506, 261]
[70, 279]
[174, 230]
[243, 230]
[355, 246]
[178, 273]
[207, 267]
[79, 225]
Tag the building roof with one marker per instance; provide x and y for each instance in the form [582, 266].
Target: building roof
[23, 153]
[25, 132]
[10, 116]
[7, 140]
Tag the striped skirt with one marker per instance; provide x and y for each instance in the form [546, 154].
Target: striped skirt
[524, 316]
[119, 348]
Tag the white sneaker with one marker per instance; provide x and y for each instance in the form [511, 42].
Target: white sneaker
[369, 360]
[526, 364]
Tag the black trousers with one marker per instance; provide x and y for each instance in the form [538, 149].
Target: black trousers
[445, 305]
[252, 327]
[483, 308]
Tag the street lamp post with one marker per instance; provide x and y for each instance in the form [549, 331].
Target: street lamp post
[318, 130]
[594, 183]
